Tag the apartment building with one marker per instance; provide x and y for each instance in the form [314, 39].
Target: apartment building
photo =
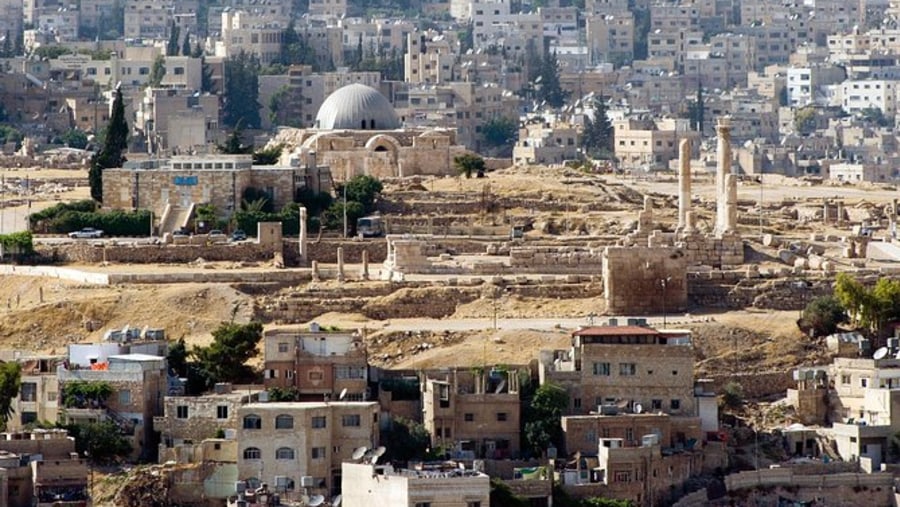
[299, 447]
[856, 96]
[428, 60]
[546, 143]
[318, 364]
[476, 414]
[38, 399]
[148, 19]
[256, 34]
[610, 38]
[328, 9]
[189, 420]
[625, 367]
[806, 85]
[12, 13]
[427, 484]
[138, 381]
[62, 23]
[41, 469]
[174, 120]
[645, 143]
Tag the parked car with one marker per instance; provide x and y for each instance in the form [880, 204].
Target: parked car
[238, 235]
[87, 232]
[216, 236]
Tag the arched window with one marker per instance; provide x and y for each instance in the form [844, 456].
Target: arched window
[252, 422]
[252, 453]
[284, 422]
[284, 453]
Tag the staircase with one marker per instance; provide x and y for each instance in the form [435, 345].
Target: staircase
[175, 218]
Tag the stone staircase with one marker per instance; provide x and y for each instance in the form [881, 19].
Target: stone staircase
[175, 218]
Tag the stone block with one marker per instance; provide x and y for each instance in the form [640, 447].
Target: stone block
[787, 256]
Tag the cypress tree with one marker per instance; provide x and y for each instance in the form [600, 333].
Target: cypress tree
[186, 45]
[115, 144]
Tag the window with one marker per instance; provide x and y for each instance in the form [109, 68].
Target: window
[601, 369]
[282, 347]
[864, 382]
[350, 372]
[627, 368]
[125, 397]
[576, 402]
[469, 417]
[284, 422]
[675, 404]
[284, 453]
[318, 422]
[29, 391]
[629, 434]
[473, 504]
[252, 422]
[317, 453]
[350, 420]
[251, 453]
[845, 379]
[222, 412]
[501, 416]
[656, 404]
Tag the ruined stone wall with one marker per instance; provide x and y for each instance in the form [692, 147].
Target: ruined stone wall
[633, 280]
[735, 290]
[756, 385]
[703, 249]
[86, 253]
[580, 260]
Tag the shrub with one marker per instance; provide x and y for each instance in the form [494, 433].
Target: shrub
[112, 223]
[17, 243]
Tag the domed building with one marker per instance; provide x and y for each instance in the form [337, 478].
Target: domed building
[357, 131]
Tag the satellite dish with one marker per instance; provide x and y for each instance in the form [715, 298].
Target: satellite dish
[638, 408]
[336, 501]
[374, 459]
[316, 500]
[379, 452]
[343, 394]
[359, 452]
[880, 353]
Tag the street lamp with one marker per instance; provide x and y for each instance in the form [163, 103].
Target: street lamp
[664, 283]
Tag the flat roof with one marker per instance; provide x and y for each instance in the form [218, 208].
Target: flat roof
[136, 357]
[298, 405]
[616, 331]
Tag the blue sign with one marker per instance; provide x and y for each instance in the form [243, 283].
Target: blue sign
[186, 180]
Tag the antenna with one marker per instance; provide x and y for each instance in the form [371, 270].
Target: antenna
[343, 394]
[316, 500]
[359, 452]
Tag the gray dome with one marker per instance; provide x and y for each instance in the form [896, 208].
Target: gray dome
[357, 107]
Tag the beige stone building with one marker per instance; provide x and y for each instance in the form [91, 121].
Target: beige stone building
[40, 468]
[38, 399]
[544, 143]
[297, 446]
[610, 38]
[189, 420]
[625, 368]
[319, 364]
[357, 132]
[258, 34]
[177, 120]
[436, 485]
[473, 414]
[646, 143]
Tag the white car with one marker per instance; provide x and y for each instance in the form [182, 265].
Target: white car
[87, 232]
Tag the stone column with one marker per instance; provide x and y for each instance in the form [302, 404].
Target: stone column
[645, 216]
[340, 264]
[690, 221]
[315, 271]
[365, 265]
[303, 251]
[684, 182]
[826, 210]
[730, 203]
[840, 213]
[723, 167]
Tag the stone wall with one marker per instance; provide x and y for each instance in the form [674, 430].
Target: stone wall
[644, 280]
[87, 253]
[703, 249]
[562, 259]
[756, 385]
[735, 290]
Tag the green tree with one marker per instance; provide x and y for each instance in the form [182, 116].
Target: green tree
[405, 440]
[186, 45]
[733, 395]
[697, 110]
[364, 189]
[549, 89]
[7, 51]
[598, 138]
[172, 45]
[74, 138]
[241, 93]
[225, 359]
[500, 133]
[280, 110]
[114, 145]
[197, 52]
[466, 39]
[277, 394]
[805, 120]
[102, 442]
[268, 156]
[822, 316]
[877, 117]
[10, 381]
[207, 85]
[85, 394]
[234, 144]
[177, 358]
[157, 72]
[334, 216]
[543, 426]
[468, 164]
[501, 495]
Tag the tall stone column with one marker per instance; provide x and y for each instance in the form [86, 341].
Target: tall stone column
[364, 273]
[684, 182]
[723, 167]
[730, 203]
[340, 264]
[303, 252]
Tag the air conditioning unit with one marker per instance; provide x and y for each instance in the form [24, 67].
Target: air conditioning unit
[281, 481]
[263, 396]
[650, 440]
[307, 481]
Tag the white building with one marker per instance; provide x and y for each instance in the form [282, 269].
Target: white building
[858, 95]
[368, 485]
